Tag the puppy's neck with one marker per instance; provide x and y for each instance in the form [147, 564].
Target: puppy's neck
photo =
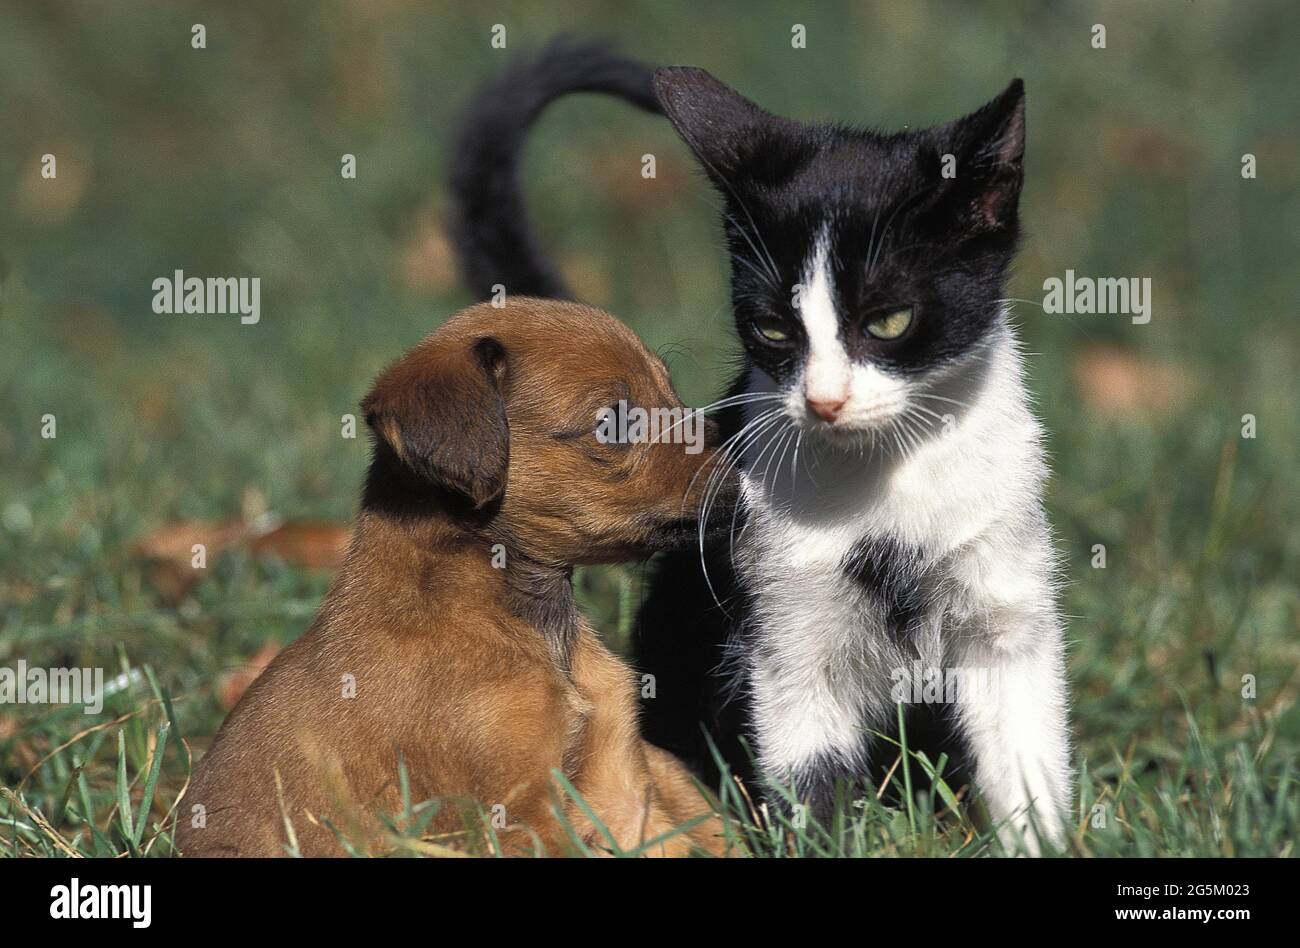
[431, 524]
[542, 595]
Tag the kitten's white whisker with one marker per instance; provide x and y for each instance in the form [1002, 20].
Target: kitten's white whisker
[775, 438]
[742, 399]
[941, 398]
[871, 241]
[753, 268]
[771, 439]
[773, 276]
[752, 223]
[884, 234]
[928, 411]
[723, 461]
[794, 462]
[787, 437]
[714, 485]
[724, 449]
[915, 438]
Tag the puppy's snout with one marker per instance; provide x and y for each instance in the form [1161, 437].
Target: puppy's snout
[716, 480]
[705, 488]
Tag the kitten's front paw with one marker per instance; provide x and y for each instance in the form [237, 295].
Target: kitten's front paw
[1042, 833]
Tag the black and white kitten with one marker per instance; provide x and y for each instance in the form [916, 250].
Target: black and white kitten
[891, 525]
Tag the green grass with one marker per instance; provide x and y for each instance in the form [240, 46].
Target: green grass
[231, 166]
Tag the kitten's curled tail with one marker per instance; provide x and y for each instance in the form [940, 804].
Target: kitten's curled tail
[489, 225]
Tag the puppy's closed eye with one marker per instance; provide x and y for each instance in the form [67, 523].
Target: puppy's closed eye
[601, 420]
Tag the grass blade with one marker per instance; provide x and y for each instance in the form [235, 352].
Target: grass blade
[151, 782]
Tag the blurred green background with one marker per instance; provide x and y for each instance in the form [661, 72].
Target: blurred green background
[226, 161]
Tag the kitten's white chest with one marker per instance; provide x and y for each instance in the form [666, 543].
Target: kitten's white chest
[849, 557]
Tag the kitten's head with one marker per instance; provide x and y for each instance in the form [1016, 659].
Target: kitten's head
[863, 264]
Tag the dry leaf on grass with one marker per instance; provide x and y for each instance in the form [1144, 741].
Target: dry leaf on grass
[1118, 383]
[169, 551]
[175, 542]
[619, 178]
[51, 200]
[425, 262]
[1148, 150]
[311, 544]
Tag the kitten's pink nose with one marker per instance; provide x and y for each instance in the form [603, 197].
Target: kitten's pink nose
[827, 409]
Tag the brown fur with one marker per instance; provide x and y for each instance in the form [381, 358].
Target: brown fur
[481, 680]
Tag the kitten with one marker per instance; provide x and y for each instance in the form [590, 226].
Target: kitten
[891, 528]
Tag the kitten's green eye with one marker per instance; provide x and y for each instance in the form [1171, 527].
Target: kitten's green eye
[892, 325]
[771, 329]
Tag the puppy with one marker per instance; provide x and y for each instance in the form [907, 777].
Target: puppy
[451, 642]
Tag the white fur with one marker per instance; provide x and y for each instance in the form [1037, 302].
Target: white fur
[828, 369]
[870, 396]
[966, 491]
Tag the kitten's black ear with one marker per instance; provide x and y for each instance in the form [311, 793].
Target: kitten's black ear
[989, 148]
[716, 121]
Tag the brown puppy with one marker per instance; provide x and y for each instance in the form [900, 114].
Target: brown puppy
[451, 640]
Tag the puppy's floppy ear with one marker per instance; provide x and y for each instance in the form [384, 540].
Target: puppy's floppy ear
[442, 413]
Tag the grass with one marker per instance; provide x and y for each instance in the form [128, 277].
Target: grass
[1185, 654]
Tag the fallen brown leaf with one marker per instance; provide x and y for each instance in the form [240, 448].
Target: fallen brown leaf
[50, 200]
[617, 172]
[168, 552]
[312, 544]
[1119, 383]
[1146, 149]
[425, 262]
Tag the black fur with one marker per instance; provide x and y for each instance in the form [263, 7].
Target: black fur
[680, 636]
[893, 576]
[828, 784]
[543, 597]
